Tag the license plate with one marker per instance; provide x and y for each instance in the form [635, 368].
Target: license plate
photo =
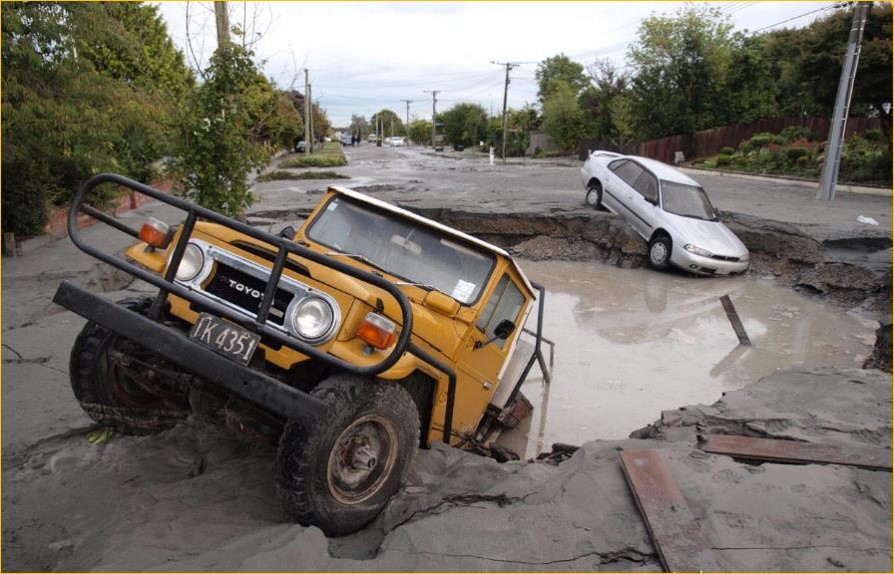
[225, 338]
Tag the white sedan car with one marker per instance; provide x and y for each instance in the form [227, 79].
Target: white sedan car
[668, 209]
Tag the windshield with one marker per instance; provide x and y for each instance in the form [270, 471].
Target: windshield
[405, 248]
[686, 200]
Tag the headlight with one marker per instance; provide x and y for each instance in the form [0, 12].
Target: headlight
[697, 250]
[312, 318]
[191, 264]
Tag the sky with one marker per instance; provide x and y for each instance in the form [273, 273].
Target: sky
[362, 57]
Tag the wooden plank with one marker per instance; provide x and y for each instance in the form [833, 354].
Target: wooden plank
[797, 451]
[675, 531]
[734, 320]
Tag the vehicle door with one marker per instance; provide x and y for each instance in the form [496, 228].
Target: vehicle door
[481, 363]
[620, 192]
[643, 201]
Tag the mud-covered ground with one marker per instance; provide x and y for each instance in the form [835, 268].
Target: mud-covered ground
[202, 498]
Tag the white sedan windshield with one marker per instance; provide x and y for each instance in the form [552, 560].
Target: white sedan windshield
[404, 248]
[686, 200]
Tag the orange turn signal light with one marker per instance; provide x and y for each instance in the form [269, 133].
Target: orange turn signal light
[377, 331]
[155, 233]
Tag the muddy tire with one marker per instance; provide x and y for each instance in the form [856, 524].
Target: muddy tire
[113, 396]
[594, 195]
[660, 252]
[339, 474]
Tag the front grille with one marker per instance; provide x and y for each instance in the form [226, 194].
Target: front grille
[725, 258]
[245, 291]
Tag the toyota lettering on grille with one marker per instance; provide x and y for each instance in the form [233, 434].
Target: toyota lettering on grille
[245, 289]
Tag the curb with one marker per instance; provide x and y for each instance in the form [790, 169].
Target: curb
[860, 189]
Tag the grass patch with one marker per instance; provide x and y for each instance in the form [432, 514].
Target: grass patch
[280, 175]
[328, 154]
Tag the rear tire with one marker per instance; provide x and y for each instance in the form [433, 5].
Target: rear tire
[116, 397]
[660, 252]
[340, 473]
[594, 195]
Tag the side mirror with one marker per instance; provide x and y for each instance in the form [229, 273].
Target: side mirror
[501, 332]
[504, 329]
[287, 232]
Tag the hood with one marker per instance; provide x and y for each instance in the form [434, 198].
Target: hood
[711, 235]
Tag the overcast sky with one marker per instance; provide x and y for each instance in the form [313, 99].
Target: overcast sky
[365, 56]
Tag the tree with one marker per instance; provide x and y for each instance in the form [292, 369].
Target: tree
[817, 53]
[607, 82]
[388, 119]
[623, 132]
[562, 117]
[218, 145]
[751, 87]
[464, 124]
[680, 63]
[359, 126]
[78, 98]
[558, 69]
[420, 130]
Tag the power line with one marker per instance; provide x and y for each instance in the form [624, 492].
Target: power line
[836, 5]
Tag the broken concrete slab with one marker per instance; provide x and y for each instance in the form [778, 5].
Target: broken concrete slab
[199, 498]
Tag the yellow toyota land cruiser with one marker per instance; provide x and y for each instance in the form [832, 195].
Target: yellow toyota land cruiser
[369, 332]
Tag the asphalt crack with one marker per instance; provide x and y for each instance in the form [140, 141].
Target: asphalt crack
[625, 555]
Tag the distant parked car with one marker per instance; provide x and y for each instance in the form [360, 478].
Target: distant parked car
[396, 141]
[300, 145]
[668, 209]
[345, 139]
[371, 138]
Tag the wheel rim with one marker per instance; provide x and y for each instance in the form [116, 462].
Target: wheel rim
[592, 197]
[129, 386]
[362, 459]
[658, 253]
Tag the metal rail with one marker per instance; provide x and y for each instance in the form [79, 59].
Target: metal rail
[283, 246]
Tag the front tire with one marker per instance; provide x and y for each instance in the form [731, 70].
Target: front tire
[594, 196]
[660, 252]
[126, 399]
[340, 473]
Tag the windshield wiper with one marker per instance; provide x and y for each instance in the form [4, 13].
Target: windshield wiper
[360, 258]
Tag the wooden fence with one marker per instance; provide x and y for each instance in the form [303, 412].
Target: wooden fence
[709, 142]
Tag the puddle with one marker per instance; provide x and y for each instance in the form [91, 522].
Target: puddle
[632, 342]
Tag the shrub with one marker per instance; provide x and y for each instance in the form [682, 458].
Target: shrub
[796, 153]
[793, 133]
[314, 161]
[279, 175]
[803, 161]
[759, 141]
[873, 136]
[723, 159]
[726, 150]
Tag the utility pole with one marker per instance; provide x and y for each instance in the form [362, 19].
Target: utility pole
[407, 129]
[434, 122]
[509, 66]
[306, 114]
[223, 25]
[832, 163]
[310, 99]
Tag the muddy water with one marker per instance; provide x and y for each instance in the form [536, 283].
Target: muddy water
[631, 343]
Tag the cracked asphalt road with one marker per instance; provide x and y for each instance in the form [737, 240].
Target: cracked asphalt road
[200, 498]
